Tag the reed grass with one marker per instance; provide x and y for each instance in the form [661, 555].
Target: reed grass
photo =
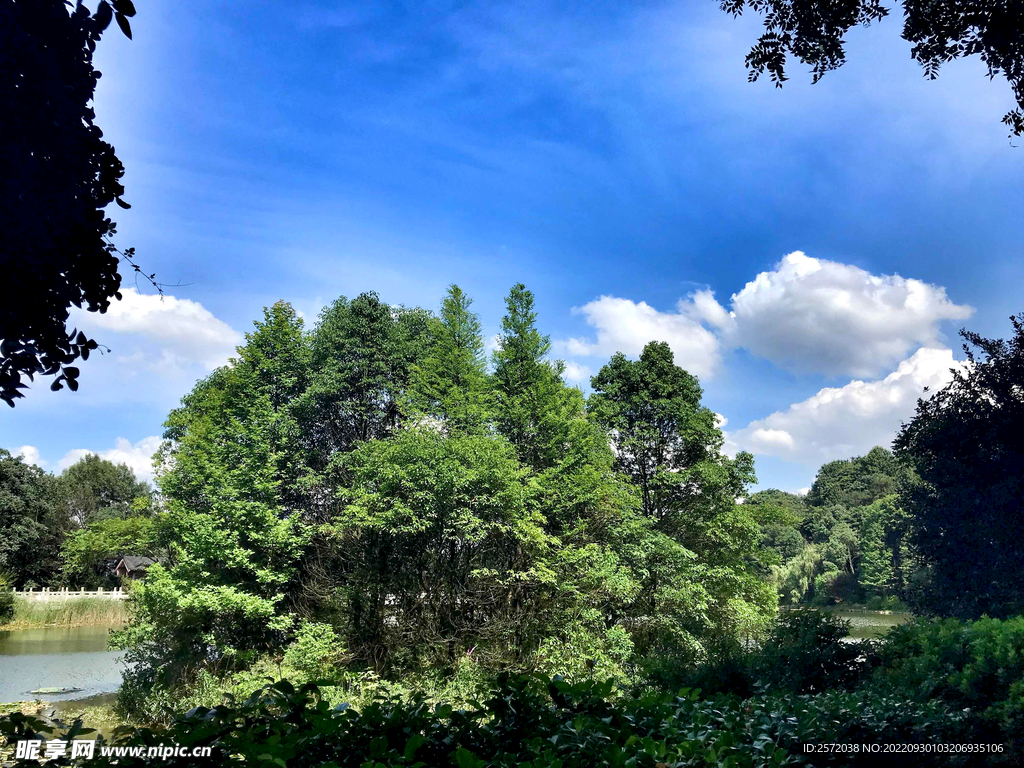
[73, 612]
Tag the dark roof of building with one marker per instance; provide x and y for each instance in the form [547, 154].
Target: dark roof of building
[135, 562]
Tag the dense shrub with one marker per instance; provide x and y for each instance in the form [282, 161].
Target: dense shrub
[531, 721]
[977, 665]
[803, 653]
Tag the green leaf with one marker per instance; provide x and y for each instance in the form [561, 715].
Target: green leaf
[465, 759]
[415, 742]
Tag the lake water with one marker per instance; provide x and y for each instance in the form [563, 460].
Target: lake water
[866, 624]
[57, 657]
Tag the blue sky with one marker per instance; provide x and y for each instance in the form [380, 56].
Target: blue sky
[809, 252]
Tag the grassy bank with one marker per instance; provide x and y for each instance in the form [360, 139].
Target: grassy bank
[76, 612]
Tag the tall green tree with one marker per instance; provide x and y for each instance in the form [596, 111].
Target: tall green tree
[450, 384]
[234, 539]
[96, 488]
[665, 440]
[965, 445]
[33, 522]
[528, 388]
[444, 548]
[706, 560]
[362, 354]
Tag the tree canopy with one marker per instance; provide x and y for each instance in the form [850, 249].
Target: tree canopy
[966, 445]
[93, 507]
[59, 177]
[939, 31]
[370, 475]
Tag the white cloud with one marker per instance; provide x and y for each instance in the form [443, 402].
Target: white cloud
[627, 326]
[806, 315]
[768, 440]
[803, 491]
[31, 455]
[814, 315]
[138, 456]
[840, 422]
[577, 373]
[183, 331]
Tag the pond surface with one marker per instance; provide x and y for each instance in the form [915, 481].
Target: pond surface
[866, 624]
[57, 657]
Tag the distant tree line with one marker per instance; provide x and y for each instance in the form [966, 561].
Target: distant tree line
[68, 529]
[939, 523]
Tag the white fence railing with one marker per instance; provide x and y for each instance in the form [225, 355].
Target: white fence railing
[46, 594]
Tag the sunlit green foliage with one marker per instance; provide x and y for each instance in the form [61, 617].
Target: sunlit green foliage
[88, 553]
[372, 477]
[450, 384]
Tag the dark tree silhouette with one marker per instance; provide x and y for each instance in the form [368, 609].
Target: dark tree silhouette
[966, 446]
[58, 176]
[940, 31]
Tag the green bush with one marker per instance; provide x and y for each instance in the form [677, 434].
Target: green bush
[977, 665]
[317, 653]
[532, 721]
[805, 653]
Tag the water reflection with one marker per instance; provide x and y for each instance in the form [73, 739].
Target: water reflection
[867, 624]
[57, 657]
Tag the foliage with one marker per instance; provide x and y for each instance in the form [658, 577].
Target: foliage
[977, 665]
[527, 388]
[60, 175]
[665, 441]
[89, 555]
[796, 578]
[450, 384]
[316, 652]
[537, 722]
[96, 488]
[964, 444]
[805, 653]
[939, 31]
[233, 541]
[41, 518]
[706, 549]
[370, 476]
[855, 482]
[32, 522]
[442, 548]
[360, 360]
[6, 599]
[849, 539]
